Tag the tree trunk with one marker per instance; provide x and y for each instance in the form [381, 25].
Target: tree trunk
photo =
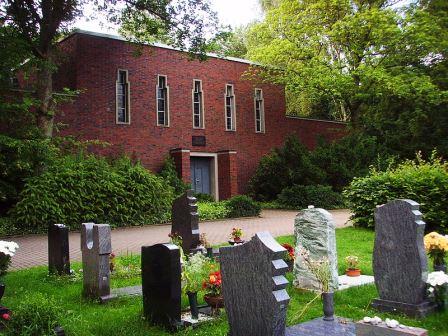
[44, 92]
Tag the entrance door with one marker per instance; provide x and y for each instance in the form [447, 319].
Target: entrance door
[200, 175]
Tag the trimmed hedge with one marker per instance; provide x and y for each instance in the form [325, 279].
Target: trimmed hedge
[243, 206]
[74, 191]
[425, 182]
[300, 196]
[213, 210]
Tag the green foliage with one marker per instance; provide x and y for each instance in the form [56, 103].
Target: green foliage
[425, 182]
[243, 206]
[170, 175]
[20, 160]
[35, 315]
[213, 210]
[204, 197]
[90, 189]
[195, 271]
[300, 196]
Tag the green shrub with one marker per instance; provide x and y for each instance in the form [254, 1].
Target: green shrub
[425, 182]
[169, 173]
[213, 210]
[300, 196]
[204, 197]
[92, 190]
[243, 206]
[36, 315]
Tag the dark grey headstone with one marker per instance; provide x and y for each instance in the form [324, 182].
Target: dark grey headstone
[58, 250]
[319, 327]
[185, 221]
[161, 285]
[96, 248]
[254, 285]
[399, 259]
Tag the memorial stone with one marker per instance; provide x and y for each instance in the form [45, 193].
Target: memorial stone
[161, 285]
[399, 259]
[185, 221]
[96, 248]
[58, 250]
[253, 286]
[314, 230]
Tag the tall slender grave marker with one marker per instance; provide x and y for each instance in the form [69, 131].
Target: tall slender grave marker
[58, 250]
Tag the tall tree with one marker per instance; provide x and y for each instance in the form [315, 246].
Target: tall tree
[39, 23]
[345, 56]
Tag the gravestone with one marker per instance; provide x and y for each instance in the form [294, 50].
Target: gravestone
[314, 230]
[161, 285]
[253, 286]
[96, 248]
[185, 221]
[399, 259]
[58, 250]
[381, 329]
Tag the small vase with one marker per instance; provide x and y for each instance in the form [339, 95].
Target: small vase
[193, 299]
[210, 252]
[328, 305]
[440, 267]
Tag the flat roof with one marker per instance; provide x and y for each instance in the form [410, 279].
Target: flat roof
[154, 44]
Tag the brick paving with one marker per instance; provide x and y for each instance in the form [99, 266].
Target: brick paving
[33, 248]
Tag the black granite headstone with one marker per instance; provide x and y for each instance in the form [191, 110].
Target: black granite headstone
[254, 285]
[96, 247]
[399, 259]
[185, 221]
[58, 250]
[161, 285]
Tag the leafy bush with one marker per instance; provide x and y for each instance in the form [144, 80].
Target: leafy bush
[169, 173]
[425, 182]
[243, 206]
[204, 197]
[36, 315]
[213, 210]
[90, 189]
[300, 196]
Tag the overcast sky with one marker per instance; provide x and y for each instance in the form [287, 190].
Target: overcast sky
[230, 12]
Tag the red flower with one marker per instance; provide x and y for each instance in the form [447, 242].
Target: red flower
[6, 316]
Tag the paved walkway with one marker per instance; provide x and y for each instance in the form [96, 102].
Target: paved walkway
[33, 248]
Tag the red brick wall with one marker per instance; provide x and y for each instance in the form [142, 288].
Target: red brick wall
[94, 70]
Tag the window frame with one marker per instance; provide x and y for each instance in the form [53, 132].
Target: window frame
[262, 111]
[167, 101]
[201, 111]
[127, 98]
[233, 114]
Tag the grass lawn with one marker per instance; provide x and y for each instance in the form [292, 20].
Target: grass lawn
[123, 317]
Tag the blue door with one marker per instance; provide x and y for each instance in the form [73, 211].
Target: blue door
[200, 175]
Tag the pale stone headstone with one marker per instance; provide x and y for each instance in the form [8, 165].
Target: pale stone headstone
[400, 264]
[185, 221]
[314, 230]
[96, 248]
[254, 285]
[58, 250]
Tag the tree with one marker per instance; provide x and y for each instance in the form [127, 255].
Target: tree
[350, 57]
[40, 23]
[231, 43]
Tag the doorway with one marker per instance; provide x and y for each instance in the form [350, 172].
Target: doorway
[200, 175]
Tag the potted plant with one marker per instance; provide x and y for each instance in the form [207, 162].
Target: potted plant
[236, 235]
[195, 270]
[322, 272]
[437, 288]
[212, 287]
[290, 257]
[437, 247]
[204, 242]
[352, 266]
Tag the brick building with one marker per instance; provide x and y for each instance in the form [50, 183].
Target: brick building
[153, 101]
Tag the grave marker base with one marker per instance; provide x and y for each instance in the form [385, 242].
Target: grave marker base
[319, 327]
[413, 310]
[367, 329]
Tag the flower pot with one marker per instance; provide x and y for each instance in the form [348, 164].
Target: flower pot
[193, 299]
[353, 272]
[214, 301]
[440, 267]
[328, 306]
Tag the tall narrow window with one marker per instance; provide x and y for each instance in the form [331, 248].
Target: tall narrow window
[230, 108]
[122, 98]
[198, 108]
[259, 111]
[162, 101]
